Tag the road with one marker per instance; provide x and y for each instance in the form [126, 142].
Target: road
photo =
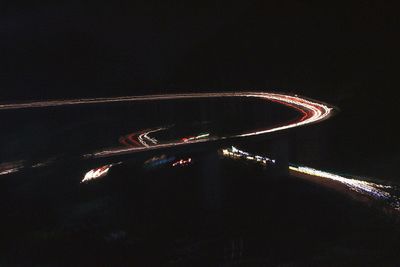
[311, 112]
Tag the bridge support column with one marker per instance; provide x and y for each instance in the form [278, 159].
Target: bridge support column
[211, 182]
[278, 149]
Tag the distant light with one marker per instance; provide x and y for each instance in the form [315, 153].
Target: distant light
[236, 153]
[158, 161]
[192, 138]
[11, 167]
[43, 163]
[98, 172]
[375, 190]
[182, 162]
[311, 111]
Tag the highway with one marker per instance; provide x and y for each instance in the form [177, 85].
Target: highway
[311, 111]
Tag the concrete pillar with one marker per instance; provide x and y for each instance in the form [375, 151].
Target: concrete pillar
[278, 149]
[211, 182]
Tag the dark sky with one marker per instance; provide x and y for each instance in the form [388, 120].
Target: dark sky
[53, 50]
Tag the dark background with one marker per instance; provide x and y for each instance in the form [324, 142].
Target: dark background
[344, 54]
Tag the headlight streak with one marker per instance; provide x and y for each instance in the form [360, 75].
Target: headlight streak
[145, 134]
[152, 140]
[130, 140]
[11, 167]
[21, 165]
[98, 172]
[201, 136]
[140, 138]
[115, 151]
[182, 162]
[389, 194]
[235, 153]
[312, 112]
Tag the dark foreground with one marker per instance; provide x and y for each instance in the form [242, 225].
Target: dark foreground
[214, 212]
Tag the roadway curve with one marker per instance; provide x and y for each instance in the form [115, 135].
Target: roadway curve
[312, 111]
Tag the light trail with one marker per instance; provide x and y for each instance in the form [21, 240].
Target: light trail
[11, 167]
[131, 140]
[235, 153]
[7, 168]
[145, 134]
[81, 101]
[312, 112]
[387, 193]
[98, 172]
[201, 136]
[377, 190]
[182, 162]
[158, 161]
[140, 139]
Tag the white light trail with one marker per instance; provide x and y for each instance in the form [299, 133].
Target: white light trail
[389, 194]
[182, 162]
[98, 172]
[312, 111]
[375, 190]
[144, 135]
[11, 167]
[235, 153]
[201, 136]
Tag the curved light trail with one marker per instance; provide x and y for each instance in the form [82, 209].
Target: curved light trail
[311, 110]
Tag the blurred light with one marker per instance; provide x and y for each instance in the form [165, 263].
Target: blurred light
[235, 153]
[388, 193]
[158, 161]
[98, 172]
[311, 112]
[43, 163]
[182, 162]
[11, 167]
[187, 139]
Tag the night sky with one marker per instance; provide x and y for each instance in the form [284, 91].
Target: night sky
[53, 50]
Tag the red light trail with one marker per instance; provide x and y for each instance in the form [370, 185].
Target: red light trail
[311, 110]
